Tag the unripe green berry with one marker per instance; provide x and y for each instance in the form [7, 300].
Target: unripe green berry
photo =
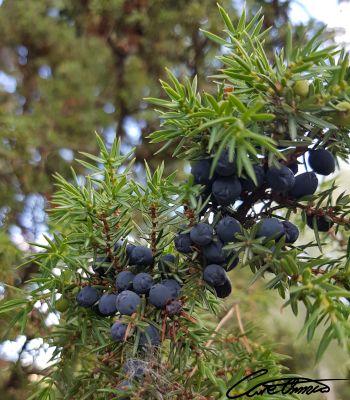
[62, 304]
[301, 88]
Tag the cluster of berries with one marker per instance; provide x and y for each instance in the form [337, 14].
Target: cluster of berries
[130, 286]
[224, 187]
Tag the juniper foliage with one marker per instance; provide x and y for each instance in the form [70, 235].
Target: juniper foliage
[264, 112]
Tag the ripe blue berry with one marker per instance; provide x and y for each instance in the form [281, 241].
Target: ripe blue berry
[214, 252]
[304, 185]
[227, 228]
[280, 179]
[224, 290]
[159, 295]
[168, 258]
[201, 234]
[150, 337]
[124, 280]
[291, 231]
[142, 283]
[323, 224]
[107, 304]
[87, 296]
[141, 255]
[271, 228]
[248, 185]
[129, 248]
[201, 172]
[127, 302]
[225, 167]
[321, 161]
[183, 243]
[226, 190]
[118, 331]
[173, 286]
[117, 246]
[214, 275]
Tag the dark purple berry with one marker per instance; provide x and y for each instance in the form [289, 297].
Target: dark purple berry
[118, 331]
[142, 283]
[227, 228]
[233, 264]
[150, 337]
[201, 234]
[323, 224]
[247, 183]
[224, 290]
[183, 243]
[291, 231]
[304, 185]
[226, 190]
[142, 256]
[129, 248]
[280, 179]
[225, 167]
[214, 252]
[107, 304]
[173, 286]
[214, 275]
[201, 172]
[87, 296]
[270, 228]
[159, 295]
[168, 258]
[322, 161]
[173, 308]
[124, 280]
[127, 302]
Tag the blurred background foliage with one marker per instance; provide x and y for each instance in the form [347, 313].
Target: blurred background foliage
[68, 68]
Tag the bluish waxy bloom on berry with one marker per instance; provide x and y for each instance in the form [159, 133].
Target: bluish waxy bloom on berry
[227, 228]
[201, 234]
[280, 179]
[271, 228]
[201, 172]
[124, 280]
[214, 275]
[142, 283]
[159, 295]
[107, 304]
[150, 337]
[127, 302]
[118, 331]
[141, 255]
[87, 296]
[183, 243]
[173, 285]
[226, 190]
